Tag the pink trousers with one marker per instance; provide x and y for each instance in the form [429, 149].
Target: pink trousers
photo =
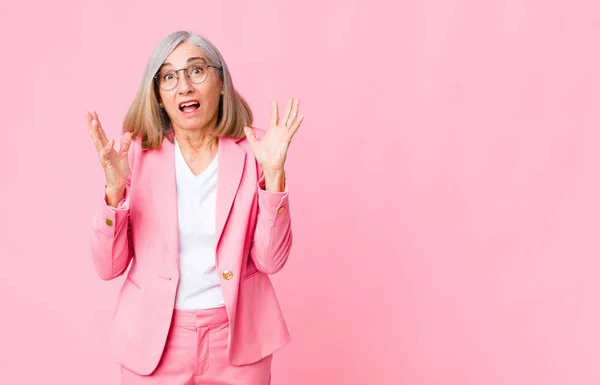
[196, 353]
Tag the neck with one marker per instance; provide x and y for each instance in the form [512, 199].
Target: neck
[196, 140]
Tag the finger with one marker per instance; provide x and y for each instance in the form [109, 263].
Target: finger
[103, 136]
[251, 137]
[99, 132]
[295, 126]
[294, 113]
[96, 137]
[94, 116]
[107, 149]
[88, 120]
[125, 143]
[102, 133]
[274, 113]
[286, 115]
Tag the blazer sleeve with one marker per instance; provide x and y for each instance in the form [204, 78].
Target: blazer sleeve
[273, 235]
[110, 238]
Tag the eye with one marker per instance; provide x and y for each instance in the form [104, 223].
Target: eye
[168, 76]
[197, 69]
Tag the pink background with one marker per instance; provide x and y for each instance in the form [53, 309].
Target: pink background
[444, 183]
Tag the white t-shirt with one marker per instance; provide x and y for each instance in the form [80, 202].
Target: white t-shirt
[199, 285]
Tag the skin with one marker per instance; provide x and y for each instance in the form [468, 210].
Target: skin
[197, 147]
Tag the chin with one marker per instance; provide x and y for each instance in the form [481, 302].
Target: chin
[193, 124]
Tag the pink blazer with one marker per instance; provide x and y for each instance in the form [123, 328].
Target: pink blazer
[254, 238]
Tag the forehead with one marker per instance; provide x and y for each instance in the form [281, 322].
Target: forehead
[182, 54]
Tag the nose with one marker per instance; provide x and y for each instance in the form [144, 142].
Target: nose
[184, 85]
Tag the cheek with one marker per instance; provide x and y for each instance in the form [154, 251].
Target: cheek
[211, 94]
[171, 109]
[211, 102]
[162, 96]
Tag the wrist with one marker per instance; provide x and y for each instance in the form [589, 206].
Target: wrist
[114, 190]
[273, 174]
[274, 180]
[114, 195]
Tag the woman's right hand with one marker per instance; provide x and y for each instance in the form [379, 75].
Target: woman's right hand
[115, 164]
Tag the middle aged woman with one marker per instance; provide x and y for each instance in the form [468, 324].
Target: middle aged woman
[196, 201]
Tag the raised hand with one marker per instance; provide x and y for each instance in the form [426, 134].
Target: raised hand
[271, 150]
[114, 163]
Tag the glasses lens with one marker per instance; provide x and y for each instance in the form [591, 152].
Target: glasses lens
[167, 80]
[197, 72]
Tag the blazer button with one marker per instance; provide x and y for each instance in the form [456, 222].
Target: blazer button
[109, 222]
[228, 274]
[281, 210]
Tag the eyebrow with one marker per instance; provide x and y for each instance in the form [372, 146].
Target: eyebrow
[187, 61]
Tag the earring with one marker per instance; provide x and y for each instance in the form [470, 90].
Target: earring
[221, 92]
[160, 105]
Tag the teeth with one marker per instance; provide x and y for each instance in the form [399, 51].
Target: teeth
[188, 104]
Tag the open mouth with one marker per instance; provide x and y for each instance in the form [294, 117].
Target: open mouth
[189, 107]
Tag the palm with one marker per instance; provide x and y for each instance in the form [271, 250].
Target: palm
[116, 166]
[271, 150]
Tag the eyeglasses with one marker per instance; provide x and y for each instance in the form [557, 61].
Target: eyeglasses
[196, 73]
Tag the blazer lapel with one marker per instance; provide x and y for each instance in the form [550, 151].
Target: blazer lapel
[164, 192]
[232, 160]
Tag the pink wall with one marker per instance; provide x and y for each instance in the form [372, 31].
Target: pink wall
[445, 183]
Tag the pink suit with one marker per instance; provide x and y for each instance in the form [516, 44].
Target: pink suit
[254, 238]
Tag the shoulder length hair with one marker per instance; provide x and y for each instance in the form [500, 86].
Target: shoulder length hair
[145, 118]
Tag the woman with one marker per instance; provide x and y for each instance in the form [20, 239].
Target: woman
[197, 202]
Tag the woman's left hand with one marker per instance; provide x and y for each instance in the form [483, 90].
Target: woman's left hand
[271, 150]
